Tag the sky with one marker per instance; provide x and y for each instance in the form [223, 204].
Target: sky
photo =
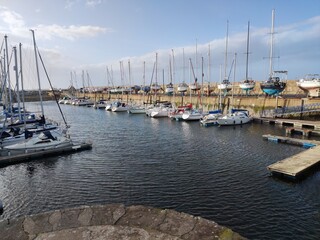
[99, 43]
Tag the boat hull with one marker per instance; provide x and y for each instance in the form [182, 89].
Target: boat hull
[247, 86]
[273, 89]
[192, 116]
[235, 118]
[137, 111]
[310, 86]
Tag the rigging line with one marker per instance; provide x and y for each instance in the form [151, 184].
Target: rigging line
[2, 45]
[7, 71]
[231, 69]
[55, 96]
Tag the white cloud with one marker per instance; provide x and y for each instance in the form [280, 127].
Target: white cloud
[69, 32]
[69, 4]
[93, 3]
[15, 25]
[11, 18]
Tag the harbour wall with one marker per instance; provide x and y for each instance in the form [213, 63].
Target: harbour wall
[255, 102]
[114, 221]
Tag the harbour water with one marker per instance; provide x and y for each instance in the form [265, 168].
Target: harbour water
[218, 173]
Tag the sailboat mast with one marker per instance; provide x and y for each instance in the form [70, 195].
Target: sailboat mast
[7, 73]
[209, 65]
[226, 53]
[156, 85]
[22, 88]
[184, 66]
[271, 44]
[17, 80]
[234, 78]
[202, 76]
[220, 92]
[130, 84]
[190, 69]
[247, 60]
[173, 72]
[37, 67]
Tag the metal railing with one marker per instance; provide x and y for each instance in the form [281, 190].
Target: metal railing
[284, 111]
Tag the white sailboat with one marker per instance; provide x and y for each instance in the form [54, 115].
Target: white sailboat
[225, 86]
[183, 87]
[47, 139]
[44, 141]
[248, 84]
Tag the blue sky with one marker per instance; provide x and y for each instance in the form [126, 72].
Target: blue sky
[91, 35]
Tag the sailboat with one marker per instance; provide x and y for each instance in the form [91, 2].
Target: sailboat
[274, 85]
[169, 87]
[225, 86]
[183, 87]
[47, 139]
[248, 84]
[310, 84]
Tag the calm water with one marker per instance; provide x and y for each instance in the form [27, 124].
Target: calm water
[217, 173]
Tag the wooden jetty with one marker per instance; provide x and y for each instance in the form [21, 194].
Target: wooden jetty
[26, 157]
[306, 143]
[295, 166]
[290, 122]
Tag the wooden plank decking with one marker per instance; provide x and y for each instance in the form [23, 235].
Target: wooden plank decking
[293, 141]
[290, 122]
[295, 165]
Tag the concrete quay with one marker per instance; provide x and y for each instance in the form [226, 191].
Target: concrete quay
[113, 221]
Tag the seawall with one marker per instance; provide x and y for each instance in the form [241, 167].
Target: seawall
[114, 221]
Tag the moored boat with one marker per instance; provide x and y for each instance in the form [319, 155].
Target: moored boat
[178, 112]
[120, 107]
[192, 115]
[101, 104]
[140, 109]
[44, 141]
[235, 117]
[211, 119]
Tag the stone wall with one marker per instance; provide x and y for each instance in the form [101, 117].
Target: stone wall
[114, 221]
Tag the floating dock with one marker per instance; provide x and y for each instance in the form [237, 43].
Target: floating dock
[297, 165]
[290, 122]
[306, 143]
[26, 157]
